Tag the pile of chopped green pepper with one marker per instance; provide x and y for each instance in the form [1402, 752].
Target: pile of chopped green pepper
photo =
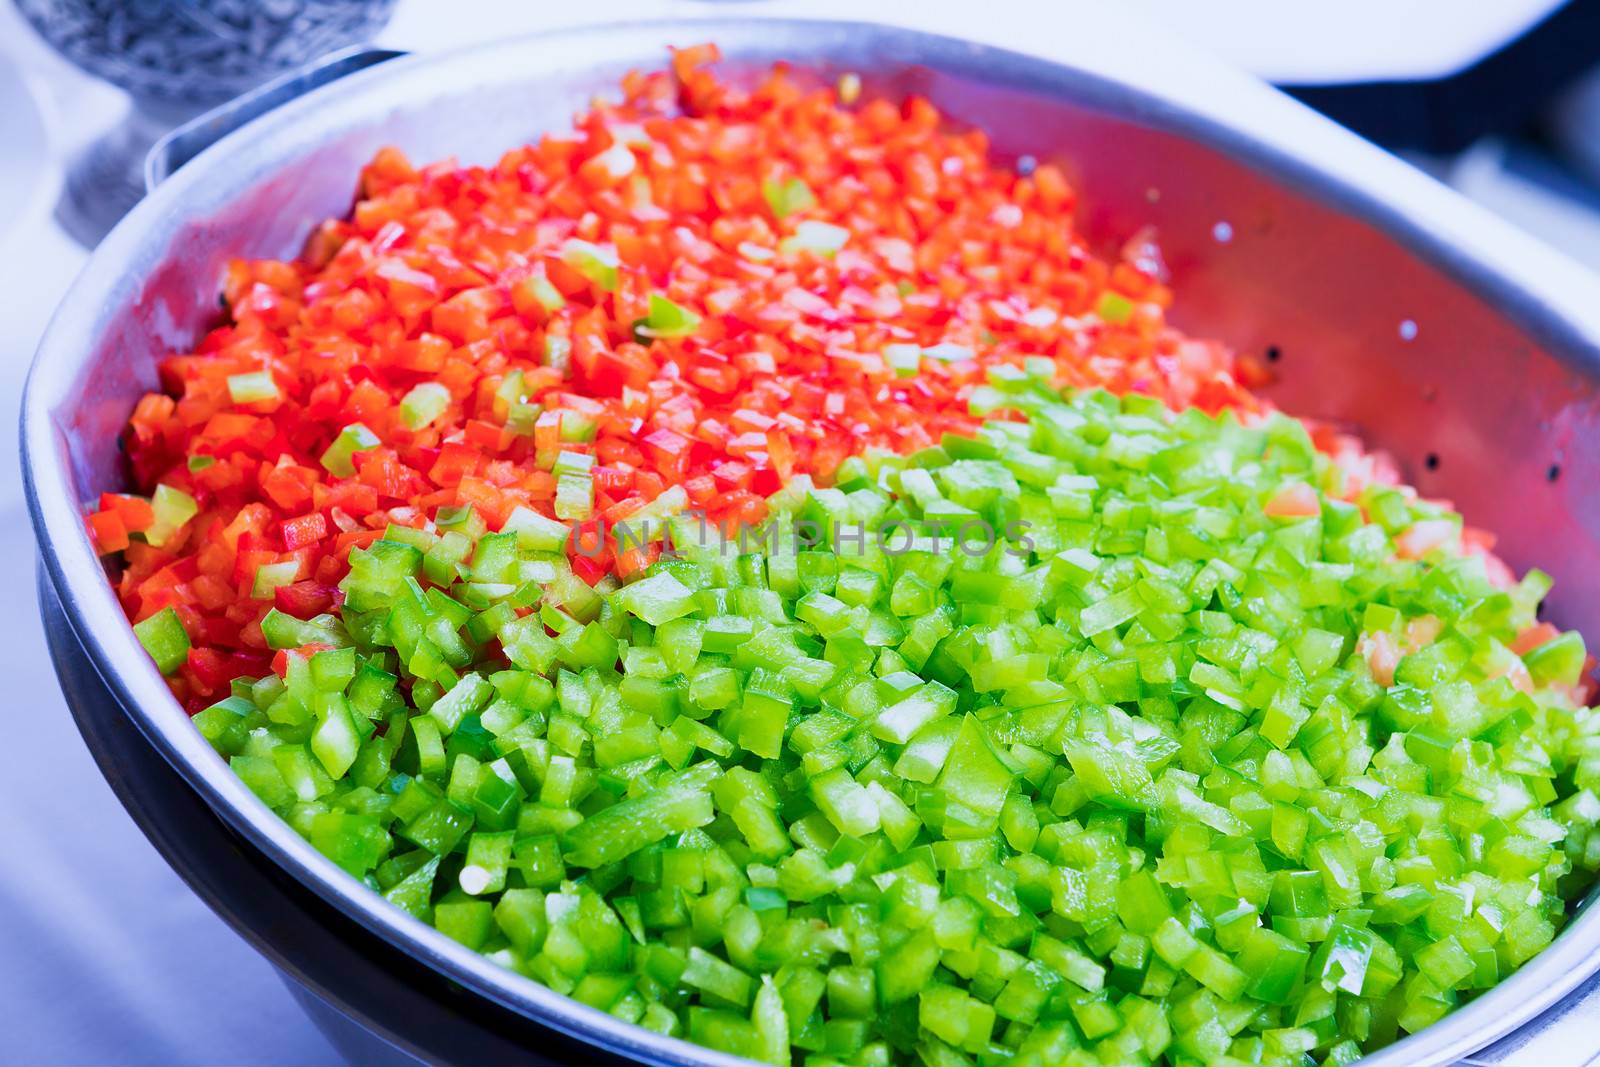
[1057, 748]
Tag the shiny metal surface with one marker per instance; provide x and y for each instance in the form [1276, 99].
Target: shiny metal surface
[184, 142]
[1304, 239]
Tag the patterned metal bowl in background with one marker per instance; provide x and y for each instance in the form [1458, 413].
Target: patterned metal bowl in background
[176, 58]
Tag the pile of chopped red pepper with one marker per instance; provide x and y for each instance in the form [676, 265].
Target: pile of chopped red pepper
[852, 273]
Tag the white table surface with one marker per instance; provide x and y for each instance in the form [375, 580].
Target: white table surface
[105, 956]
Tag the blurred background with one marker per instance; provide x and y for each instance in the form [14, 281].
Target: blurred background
[108, 957]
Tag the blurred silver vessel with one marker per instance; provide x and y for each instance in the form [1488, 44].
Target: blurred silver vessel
[176, 59]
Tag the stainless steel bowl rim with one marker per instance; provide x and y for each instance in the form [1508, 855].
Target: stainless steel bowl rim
[1543, 292]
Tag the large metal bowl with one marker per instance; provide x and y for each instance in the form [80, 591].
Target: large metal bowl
[1388, 302]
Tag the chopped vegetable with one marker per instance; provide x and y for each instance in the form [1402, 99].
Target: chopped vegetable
[667, 319]
[595, 263]
[419, 358]
[788, 196]
[685, 582]
[170, 510]
[253, 387]
[339, 458]
[818, 238]
[1114, 308]
[423, 404]
[1126, 771]
[163, 636]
